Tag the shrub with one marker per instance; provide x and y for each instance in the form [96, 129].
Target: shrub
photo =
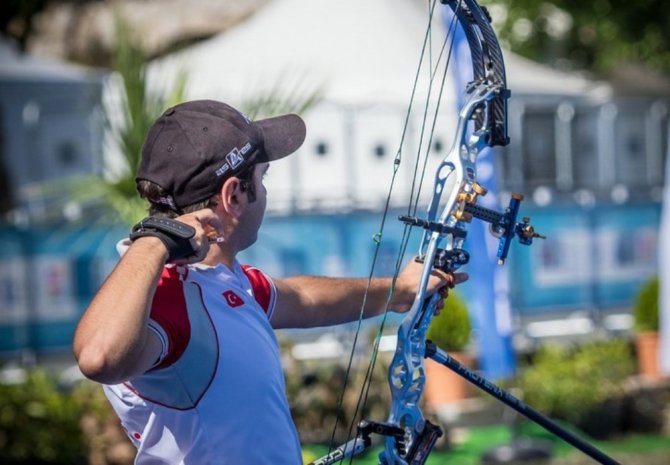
[39, 423]
[451, 329]
[645, 308]
[44, 423]
[575, 384]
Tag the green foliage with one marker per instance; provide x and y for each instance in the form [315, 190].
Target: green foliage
[593, 35]
[128, 126]
[451, 329]
[128, 117]
[571, 383]
[645, 307]
[38, 423]
[139, 109]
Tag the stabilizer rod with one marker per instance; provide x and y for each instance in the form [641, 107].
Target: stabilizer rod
[435, 353]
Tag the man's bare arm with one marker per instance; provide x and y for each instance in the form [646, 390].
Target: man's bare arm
[309, 301]
[112, 342]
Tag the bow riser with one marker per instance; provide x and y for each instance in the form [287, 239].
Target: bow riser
[407, 372]
[459, 166]
[415, 325]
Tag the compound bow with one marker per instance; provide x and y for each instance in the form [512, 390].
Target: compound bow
[482, 122]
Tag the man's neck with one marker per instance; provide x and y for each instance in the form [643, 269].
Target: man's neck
[219, 254]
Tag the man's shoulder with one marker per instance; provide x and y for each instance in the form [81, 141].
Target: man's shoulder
[262, 287]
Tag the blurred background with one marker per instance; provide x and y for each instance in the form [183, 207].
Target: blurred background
[589, 119]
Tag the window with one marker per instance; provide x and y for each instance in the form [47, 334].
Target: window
[539, 147]
[630, 148]
[321, 149]
[379, 150]
[438, 146]
[584, 149]
[67, 153]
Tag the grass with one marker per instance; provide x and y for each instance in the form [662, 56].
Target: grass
[637, 449]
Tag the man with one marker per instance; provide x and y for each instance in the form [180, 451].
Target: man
[180, 334]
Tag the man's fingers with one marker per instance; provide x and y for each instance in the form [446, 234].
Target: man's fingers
[458, 278]
[209, 220]
[451, 280]
[206, 222]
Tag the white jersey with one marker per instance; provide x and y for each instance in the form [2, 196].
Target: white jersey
[217, 395]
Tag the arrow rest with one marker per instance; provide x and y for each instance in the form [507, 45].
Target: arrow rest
[448, 260]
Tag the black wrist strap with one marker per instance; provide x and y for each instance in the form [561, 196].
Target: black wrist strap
[174, 234]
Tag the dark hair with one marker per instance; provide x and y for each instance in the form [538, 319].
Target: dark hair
[153, 193]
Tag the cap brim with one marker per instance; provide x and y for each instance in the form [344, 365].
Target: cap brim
[282, 135]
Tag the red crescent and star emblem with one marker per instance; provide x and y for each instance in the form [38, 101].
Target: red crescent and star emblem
[233, 299]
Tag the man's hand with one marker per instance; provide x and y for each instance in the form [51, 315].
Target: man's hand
[205, 223]
[207, 226]
[408, 282]
[208, 229]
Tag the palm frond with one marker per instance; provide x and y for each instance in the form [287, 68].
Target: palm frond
[283, 97]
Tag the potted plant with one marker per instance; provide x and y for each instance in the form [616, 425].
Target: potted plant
[646, 323]
[451, 331]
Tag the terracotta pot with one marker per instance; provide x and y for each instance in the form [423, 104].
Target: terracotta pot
[646, 345]
[443, 386]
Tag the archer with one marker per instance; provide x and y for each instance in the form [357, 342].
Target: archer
[181, 334]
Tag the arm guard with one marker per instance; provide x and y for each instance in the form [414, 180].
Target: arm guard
[175, 235]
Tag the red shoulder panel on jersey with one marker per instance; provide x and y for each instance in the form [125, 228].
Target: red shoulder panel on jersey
[168, 309]
[260, 285]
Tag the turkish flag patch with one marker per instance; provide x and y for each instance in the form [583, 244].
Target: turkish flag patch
[233, 299]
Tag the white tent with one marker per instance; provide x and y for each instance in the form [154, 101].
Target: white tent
[364, 57]
[360, 52]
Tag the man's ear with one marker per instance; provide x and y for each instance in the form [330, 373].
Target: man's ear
[233, 199]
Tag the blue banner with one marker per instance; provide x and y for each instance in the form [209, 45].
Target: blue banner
[489, 302]
[664, 273]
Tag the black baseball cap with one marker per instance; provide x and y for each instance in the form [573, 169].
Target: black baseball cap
[193, 147]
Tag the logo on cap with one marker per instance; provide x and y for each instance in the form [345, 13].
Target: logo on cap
[234, 159]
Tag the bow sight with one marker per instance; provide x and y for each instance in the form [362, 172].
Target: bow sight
[502, 225]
